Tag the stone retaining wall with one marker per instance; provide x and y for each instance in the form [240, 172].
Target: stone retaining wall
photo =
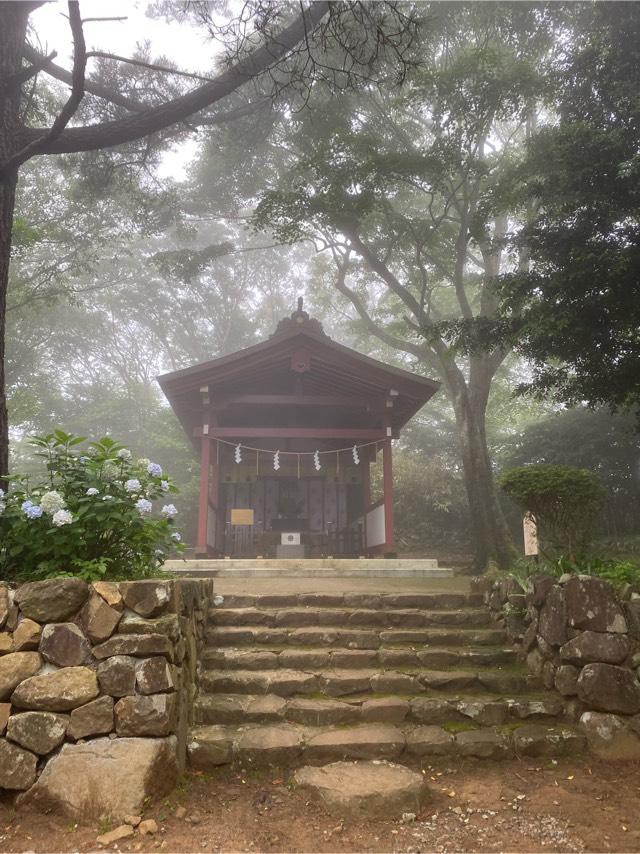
[583, 640]
[97, 686]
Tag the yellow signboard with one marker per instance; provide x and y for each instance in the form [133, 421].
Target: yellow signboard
[241, 516]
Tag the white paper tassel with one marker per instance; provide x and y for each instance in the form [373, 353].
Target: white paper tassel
[276, 460]
[356, 458]
[238, 453]
[316, 460]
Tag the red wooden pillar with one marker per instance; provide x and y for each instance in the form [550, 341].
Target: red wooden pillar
[203, 509]
[387, 479]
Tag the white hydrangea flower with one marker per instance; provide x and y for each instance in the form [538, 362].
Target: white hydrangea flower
[143, 506]
[3, 507]
[110, 471]
[107, 497]
[176, 536]
[143, 462]
[92, 491]
[52, 501]
[133, 485]
[124, 454]
[169, 510]
[2, 493]
[62, 517]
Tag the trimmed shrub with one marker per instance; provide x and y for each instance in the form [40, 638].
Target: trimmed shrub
[564, 500]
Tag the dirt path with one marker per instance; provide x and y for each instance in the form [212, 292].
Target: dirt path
[529, 805]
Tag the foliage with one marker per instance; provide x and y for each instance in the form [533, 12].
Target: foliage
[608, 445]
[564, 500]
[618, 572]
[430, 507]
[575, 314]
[90, 515]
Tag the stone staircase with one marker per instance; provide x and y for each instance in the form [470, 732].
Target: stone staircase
[314, 678]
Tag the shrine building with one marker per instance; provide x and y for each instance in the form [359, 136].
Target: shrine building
[287, 430]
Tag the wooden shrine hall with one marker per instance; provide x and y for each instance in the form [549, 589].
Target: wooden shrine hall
[287, 430]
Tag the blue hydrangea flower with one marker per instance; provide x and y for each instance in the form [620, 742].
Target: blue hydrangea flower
[133, 485]
[169, 510]
[164, 486]
[143, 506]
[154, 469]
[33, 511]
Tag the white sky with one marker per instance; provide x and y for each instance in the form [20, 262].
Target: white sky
[190, 48]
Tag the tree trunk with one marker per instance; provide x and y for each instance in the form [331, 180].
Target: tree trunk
[13, 25]
[491, 538]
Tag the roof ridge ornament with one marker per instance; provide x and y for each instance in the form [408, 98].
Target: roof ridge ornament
[299, 320]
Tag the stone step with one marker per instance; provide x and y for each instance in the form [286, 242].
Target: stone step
[425, 601]
[378, 618]
[289, 745]
[286, 682]
[310, 568]
[321, 636]
[242, 658]
[454, 710]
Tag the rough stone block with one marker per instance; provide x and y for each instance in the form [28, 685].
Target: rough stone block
[59, 691]
[611, 737]
[95, 718]
[566, 680]
[6, 643]
[5, 711]
[430, 741]
[270, 745]
[390, 710]
[138, 645]
[64, 645]
[39, 732]
[592, 604]
[27, 635]
[607, 688]
[209, 747]
[110, 592]
[552, 625]
[166, 624]
[364, 789]
[541, 740]
[484, 712]
[51, 601]
[154, 715]
[105, 778]
[147, 598]
[15, 668]
[17, 766]
[153, 675]
[592, 646]
[434, 711]
[483, 743]
[98, 619]
[4, 603]
[117, 675]
[368, 741]
[319, 712]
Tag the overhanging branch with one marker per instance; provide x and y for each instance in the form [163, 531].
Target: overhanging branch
[131, 128]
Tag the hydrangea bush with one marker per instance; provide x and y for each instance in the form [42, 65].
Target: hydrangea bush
[96, 513]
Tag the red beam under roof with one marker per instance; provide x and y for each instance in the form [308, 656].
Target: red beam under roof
[356, 433]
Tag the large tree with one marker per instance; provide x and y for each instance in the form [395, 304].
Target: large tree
[289, 42]
[409, 194]
[575, 314]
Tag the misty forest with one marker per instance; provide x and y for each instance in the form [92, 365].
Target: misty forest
[452, 187]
